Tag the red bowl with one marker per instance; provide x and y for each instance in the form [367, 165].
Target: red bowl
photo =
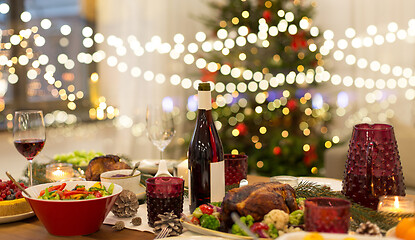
[71, 217]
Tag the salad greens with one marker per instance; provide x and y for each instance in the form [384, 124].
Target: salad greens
[79, 192]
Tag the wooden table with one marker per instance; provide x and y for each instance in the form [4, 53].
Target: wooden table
[33, 229]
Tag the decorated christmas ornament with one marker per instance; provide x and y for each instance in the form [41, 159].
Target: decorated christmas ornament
[292, 104]
[169, 220]
[298, 41]
[126, 204]
[242, 128]
[310, 156]
[267, 15]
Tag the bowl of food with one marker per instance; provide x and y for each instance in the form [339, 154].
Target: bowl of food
[123, 178]
[74, 207]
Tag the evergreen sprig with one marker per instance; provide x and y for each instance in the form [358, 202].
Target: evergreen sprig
[359, 213]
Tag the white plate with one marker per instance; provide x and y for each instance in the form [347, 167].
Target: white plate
[18, 217]
[194, 238]
[330, 236]
[391, 232]
[205, 231]
[142, 192]
[334, 184]
[150, 166]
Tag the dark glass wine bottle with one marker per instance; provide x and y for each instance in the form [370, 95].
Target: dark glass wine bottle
[206, 165]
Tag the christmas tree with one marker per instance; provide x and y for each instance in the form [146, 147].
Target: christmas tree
[266, 63]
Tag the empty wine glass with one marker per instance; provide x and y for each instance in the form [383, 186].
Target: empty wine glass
[160, 127]
[29, 135]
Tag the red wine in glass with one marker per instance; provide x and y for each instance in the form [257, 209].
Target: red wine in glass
[29, 148]
[29, 135]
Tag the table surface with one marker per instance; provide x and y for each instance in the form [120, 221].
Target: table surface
[33, 229]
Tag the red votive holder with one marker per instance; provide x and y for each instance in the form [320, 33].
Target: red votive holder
[325, 214]
[164, 194]
[236, 169]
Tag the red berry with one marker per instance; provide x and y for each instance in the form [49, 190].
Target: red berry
[8, 192]
[3, 195]
[1, 199]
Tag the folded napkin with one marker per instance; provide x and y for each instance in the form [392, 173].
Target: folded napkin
[142, 212]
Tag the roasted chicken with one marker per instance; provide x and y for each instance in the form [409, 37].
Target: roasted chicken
[257, 200]
[102, 164]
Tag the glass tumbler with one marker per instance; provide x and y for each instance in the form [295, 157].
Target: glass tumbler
[325, 214]
[164, 194]
[236, 169]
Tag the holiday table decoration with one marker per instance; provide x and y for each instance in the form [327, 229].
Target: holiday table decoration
[373, 168]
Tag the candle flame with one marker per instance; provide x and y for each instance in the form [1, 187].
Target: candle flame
[396, 203]
[58, 173]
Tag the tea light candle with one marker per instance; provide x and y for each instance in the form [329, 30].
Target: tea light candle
[59, 171]
[396, 204]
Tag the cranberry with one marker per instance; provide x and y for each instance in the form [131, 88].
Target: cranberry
[3, 195]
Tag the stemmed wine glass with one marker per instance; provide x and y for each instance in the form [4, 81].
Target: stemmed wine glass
[29, 135]
[160, 127]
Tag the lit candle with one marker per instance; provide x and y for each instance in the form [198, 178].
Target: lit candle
[59, 171]
[396, 204]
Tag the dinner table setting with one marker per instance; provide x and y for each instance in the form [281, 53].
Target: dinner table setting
[105, 196]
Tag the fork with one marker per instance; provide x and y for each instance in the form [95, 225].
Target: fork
[163, 233]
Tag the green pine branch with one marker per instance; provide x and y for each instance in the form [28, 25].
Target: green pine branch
[359, 213]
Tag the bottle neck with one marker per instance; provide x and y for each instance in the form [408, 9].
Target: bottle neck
[205, 100]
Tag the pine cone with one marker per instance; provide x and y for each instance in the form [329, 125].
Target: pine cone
[136, 221]
[126, 204]
[368, 228]
[169, 220]
[118, 226]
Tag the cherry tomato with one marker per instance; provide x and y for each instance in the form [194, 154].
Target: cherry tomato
[206, 209]
[195, 220]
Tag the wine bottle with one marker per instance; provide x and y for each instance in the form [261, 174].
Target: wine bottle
[206, 165]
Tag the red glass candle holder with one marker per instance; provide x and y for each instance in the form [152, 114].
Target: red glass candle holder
[236, 169]
[324, 214]
[164, 194]
[373, 167]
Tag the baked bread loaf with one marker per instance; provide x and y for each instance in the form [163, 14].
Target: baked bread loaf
[257, 200]
[102, 164]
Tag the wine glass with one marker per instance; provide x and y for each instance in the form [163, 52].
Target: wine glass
[160, 127]
[29, 135]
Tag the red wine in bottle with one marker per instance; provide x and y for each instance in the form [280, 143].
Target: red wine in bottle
[206, 165]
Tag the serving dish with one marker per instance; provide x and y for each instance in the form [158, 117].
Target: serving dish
[71, 217]
[193, 238]
[122, 177]
[15, 218]
[331, 236]
[205, 231]
[334, 184]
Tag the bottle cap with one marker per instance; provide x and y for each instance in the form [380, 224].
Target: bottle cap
[204, 86]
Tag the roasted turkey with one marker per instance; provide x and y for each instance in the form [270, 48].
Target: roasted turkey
[257, 200]
[102, 164]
